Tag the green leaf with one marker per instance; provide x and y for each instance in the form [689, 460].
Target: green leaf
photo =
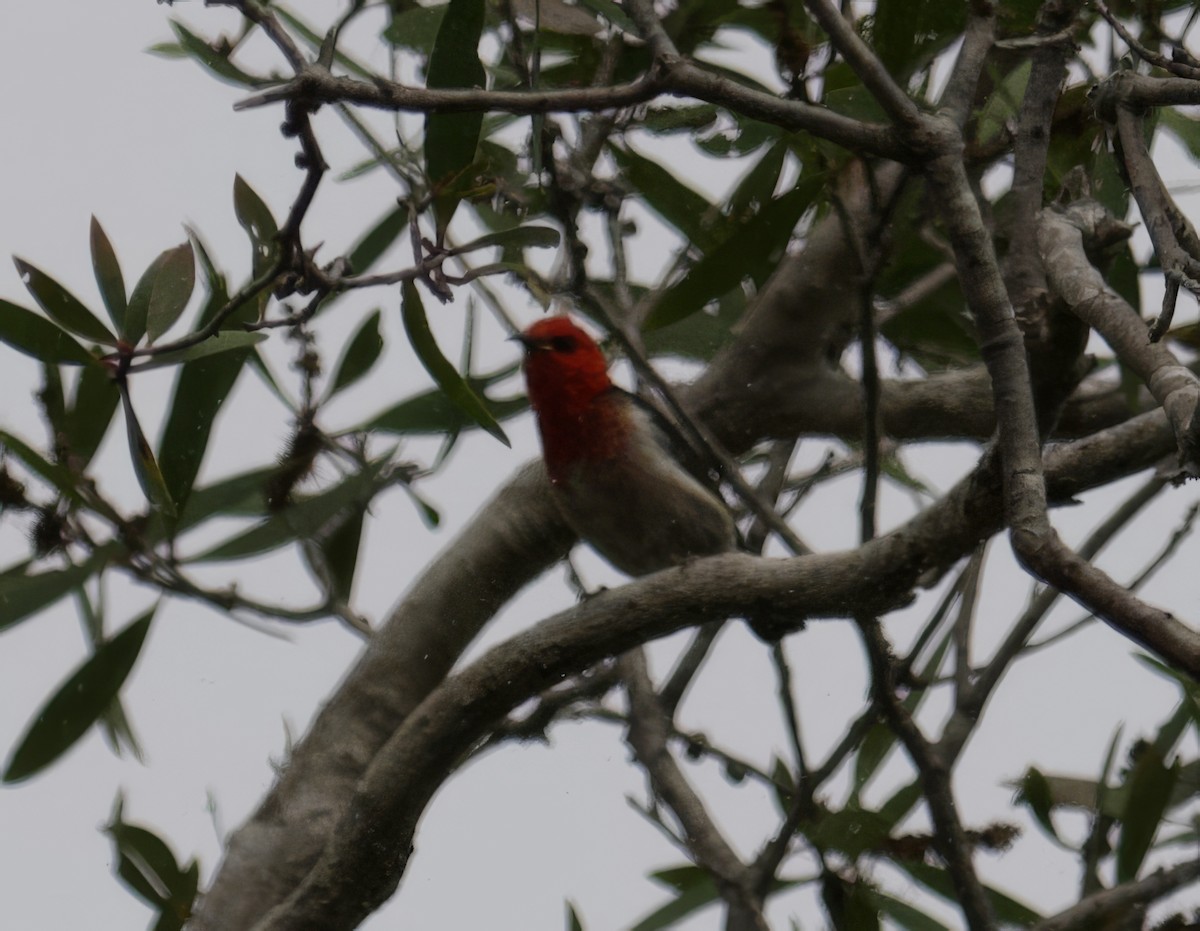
[436, 364]
[519, 237]
[378, 239]
[217, 288]
[429, 514]
[156, 298]
[875, 747]
[58, 476]
[256, 219]
[849, 902]
[200, 391]
[1189, 689]
[145, 864]
[92, 407]
[108, 276]
[613, 13]
[901, 802]
[573, 922]
[36, 336]
[145, 466]
[433, 413]
[1149, 791]
[78, 702]
[1183, 127]
[852, 830]
[239, 495]
[304, 519]
[361, 353]
[665, 120]
[908, 35]
[62, 306]
[1035, 793]
[1004, 102]
[316, 42]
[50, 398]
[332, 554]
[695, 890]
[416, 28]
[1008, 910]
[452, 138]
[663, 192]
[905, 915]
[216, 62]
[24, 595]
[172, 290]
[218, 344]
[750, 252]
[113, 721]
[758, 185]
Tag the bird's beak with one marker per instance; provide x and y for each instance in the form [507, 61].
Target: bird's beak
[527, 344]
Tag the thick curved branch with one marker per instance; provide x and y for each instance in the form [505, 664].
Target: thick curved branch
[1092, 911]
[1060, 237]
[1034, 540]
[870, 70]
[511, 541]
[315, 85]
[1174, 237]
[369, 850]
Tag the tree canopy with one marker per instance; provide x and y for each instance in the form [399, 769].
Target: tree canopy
[832, 246]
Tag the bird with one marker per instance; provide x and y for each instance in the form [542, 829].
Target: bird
[612, 472]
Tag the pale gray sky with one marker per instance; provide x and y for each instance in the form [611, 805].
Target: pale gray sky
[94, 125]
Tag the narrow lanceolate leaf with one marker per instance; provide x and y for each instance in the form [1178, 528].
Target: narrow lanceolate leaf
[216, 62]
[520, 237]
[22, 596]
[91, 411]
[61, 306]
[749, 252]
[137, 314]
[36, 336]
[694, 891]
[451, 138]
[114, 722]
[172, 290]
[108, 276]
[332, 554]
[203, 384]
[377, 239]
[434, 414]
[144, 862]
[78, 703]
[56, 475]
[303, 520]
[447, 377]
[254, 216]
[361, 353]
[223, 342]
[1150, 784]
[669, 197]
[145, 466]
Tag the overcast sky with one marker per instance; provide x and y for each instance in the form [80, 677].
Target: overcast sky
[95, 126]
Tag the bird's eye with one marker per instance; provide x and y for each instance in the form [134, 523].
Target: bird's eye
[563, 344]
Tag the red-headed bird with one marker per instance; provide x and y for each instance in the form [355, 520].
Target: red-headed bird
[610, 466]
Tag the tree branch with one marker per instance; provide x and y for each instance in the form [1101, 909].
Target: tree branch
[1060, 238]
[1091, 911]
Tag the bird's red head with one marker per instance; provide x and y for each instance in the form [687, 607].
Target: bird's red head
[570, 392]
[564, 368]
